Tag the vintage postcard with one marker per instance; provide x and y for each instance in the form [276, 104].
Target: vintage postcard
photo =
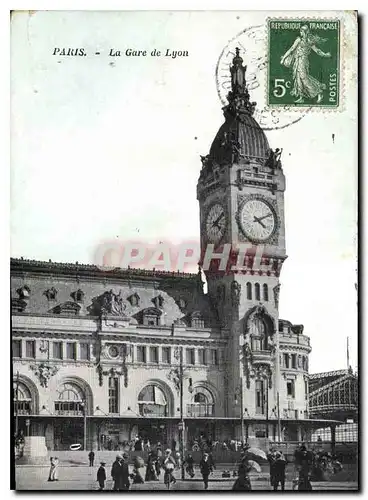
[184, 250]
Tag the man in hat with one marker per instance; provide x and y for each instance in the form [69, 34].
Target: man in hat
[101, 476]
[279, 467]
[120, 473]
[206, 468]
[271, 457]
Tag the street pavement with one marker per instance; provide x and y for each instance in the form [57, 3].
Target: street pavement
[84, 478]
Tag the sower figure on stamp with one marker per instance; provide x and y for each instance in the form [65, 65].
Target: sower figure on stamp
[297, 57]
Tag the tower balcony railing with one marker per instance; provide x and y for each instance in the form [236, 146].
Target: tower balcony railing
[262, 357]
[200, 410]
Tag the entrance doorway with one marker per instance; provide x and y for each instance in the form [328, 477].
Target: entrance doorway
[200, 434]
[67, 433]
[154, 431]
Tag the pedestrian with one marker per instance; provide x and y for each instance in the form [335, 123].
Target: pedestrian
[138, 444]
[205, 468]
[101, 476]
[212, 462]
[53, 473]
[279, 467]
[159, 459]
[91, 458]
[169, 466]
[178, 460]
[242, 482]
[189, 462]
[305, 460]
[151, 468]
[173, 445]
[271, 460]
[120, 473]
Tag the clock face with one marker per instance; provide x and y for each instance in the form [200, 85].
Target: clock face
[215, 223]
[257, 220]
[113, 351]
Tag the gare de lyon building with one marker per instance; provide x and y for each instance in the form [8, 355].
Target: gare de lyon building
[100, 356]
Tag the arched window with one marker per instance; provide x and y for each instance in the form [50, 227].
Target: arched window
[71, 400]
[258, 334]
[249, 291]
[152, 402]
[257, 291]
[22, 399]
[202, 404]
[265, 292]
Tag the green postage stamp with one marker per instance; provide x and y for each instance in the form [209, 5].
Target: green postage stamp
[304, 63]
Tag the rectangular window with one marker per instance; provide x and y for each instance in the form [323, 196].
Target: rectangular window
[30, 349]
[141, 354]
[71, 351]
[286, 360]
[293, 361]
[190, 357]
[290, 386]
[154, 354]
[57, 350]
[166, 355]
[113, 395]
[214, 357]
[84, 351]
[17, 348]
[201, 356]
[259, 397]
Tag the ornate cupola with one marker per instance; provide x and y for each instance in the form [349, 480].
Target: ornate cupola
[240, 138]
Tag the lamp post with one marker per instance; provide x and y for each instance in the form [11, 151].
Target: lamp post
[179, 355]
[239, 392]
[84, 408]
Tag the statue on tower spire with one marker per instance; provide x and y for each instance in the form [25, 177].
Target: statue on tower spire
[238, 97]
[237, 70]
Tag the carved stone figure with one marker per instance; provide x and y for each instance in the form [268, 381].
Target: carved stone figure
[274, 159]
[276, 293]
[174, 376]
[44, 372]
[235, 293]
[112, 303]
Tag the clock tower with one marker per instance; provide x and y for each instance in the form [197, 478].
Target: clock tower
[241, 197]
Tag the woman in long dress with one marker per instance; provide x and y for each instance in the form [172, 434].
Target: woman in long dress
[151, 468]
[297, 57]
[242, 483]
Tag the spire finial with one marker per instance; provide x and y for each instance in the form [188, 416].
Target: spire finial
[238, 97]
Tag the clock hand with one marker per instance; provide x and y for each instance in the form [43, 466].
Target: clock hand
[218, 219]
[256, 219]
[264, 217]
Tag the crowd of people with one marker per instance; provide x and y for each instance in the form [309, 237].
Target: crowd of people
[309, 465]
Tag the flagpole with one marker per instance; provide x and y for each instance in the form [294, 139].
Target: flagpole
[347, 353]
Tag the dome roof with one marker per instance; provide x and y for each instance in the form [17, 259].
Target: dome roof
[246, 133]
[240, 138]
